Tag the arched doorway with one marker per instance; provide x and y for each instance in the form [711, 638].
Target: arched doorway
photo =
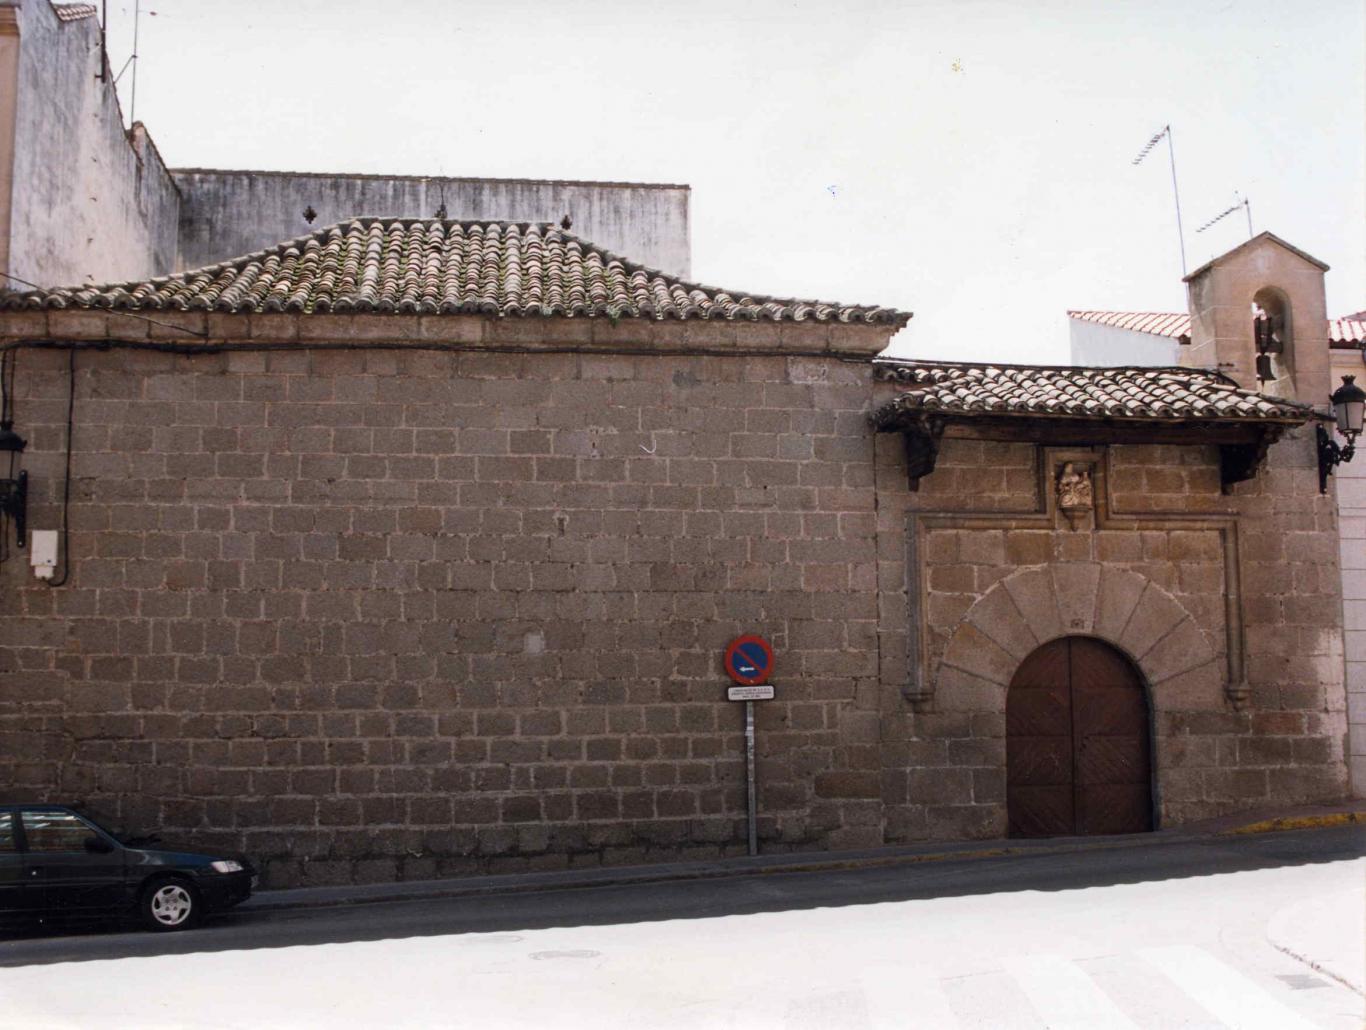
[1077, 743]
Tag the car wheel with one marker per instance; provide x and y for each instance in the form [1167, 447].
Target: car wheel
[170, 905]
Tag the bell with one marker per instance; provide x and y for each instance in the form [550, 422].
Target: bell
[1264, 373]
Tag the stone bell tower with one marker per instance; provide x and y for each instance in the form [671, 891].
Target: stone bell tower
[1258, 315]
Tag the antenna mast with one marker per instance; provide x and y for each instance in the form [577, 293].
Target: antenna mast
[1176, 195]
[133, 96]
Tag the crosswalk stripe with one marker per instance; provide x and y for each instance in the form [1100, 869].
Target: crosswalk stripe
[896, 1000]
[1063, 995]
[1226, 993]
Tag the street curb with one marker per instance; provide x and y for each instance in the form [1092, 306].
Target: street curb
[1301, 822]
[630, 876]
[558, 880]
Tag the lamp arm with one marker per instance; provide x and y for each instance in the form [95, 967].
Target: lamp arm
[1332, 454]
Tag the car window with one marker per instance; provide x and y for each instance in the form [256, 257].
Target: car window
[55, 831]
[7, 841]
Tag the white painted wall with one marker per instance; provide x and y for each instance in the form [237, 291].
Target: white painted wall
[1351, 489]
[225, 214]
[1095, 344]
[90, 203]
[93, 203]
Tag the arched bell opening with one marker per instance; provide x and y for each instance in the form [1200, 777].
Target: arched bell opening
[1079, 757]
[1273, 337]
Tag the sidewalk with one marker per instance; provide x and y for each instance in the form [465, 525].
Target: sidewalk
[1268, 821]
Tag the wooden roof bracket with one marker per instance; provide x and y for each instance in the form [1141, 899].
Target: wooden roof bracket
[1242, 461]
[921, 439]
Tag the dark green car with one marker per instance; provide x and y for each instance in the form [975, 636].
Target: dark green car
[57, 864]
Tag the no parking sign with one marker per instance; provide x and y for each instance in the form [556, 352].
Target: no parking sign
[749, 660]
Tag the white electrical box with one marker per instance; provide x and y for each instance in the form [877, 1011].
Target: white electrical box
[43, 552]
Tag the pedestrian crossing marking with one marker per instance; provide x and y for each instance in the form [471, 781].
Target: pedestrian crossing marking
[1064, 995]
[1227, 994]
[895, 1000]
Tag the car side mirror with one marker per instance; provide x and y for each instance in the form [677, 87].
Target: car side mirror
[98, 846]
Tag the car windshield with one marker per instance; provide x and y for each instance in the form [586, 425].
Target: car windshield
[102, 824]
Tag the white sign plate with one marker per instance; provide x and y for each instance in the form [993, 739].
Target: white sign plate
[763, 693]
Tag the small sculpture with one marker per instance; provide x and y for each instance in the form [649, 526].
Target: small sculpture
[1075, 496]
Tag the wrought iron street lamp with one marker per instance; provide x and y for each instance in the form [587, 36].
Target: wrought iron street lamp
[13, 488]
[1349, 408]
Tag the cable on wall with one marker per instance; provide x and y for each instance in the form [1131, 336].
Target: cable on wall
[66, 479]
[8, 363]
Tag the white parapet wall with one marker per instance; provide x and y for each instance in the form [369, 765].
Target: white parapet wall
[227, 213]
[1351, 490]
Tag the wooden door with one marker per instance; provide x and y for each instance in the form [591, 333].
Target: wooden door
[1077, 745]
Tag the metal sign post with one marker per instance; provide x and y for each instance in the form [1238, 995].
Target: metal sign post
[749, 661]
[751, 789]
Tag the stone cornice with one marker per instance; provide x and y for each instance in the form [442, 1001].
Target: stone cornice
[194, 330]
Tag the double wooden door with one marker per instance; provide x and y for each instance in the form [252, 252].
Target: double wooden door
[1077, 743]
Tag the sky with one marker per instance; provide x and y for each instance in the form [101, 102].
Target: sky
[969, 162]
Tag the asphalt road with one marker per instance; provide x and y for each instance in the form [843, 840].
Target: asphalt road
[703, 899]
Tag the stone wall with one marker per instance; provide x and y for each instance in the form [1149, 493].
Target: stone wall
[1227, 604]
[405, 613]
[378, 597]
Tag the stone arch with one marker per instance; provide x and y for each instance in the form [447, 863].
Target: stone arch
[1034, 605]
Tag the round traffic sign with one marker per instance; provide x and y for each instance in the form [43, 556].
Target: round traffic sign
[749, 660]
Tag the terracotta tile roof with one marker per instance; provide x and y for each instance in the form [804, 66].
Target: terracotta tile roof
[1155, 322]
[1070, 391]
[433, 266]
[74, 12]
[1349, 331]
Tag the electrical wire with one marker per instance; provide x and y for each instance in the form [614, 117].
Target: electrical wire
[66, 481]
[115, 311]
[8, 364]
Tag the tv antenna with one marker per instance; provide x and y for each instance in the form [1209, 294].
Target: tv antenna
[1239, 202]
[132, 60]
[1166, 131]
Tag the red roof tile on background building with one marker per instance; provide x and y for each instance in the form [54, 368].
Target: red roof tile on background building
[1157, 323]
[1349, 331]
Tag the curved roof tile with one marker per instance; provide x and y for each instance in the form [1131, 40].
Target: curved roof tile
[436, 266]
[1070, 391]
[1341, 331]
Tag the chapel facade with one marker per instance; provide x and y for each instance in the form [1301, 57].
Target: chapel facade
[411, 548]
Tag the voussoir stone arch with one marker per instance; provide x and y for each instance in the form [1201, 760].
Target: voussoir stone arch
[1032, 606]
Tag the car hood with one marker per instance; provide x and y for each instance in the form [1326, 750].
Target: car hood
[186, 852]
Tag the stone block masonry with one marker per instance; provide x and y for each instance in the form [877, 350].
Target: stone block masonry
[1227, 605]
[383, 614]
[378, 597]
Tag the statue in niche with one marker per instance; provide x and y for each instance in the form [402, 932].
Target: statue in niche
[1075, 495]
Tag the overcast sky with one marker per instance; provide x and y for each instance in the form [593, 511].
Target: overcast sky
[969, 162]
